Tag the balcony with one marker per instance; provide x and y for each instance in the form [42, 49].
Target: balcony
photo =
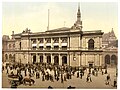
[41, 44]
[63, 44]
[55, 44]
[48, 44]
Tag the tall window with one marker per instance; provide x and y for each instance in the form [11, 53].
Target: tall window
[9, 46]
[20, 45]
[91, 44]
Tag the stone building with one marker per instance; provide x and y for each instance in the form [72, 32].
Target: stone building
[8, 49]
[70, 46]
[110, 48]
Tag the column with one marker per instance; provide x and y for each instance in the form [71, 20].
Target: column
[37, 42]
[37, 58]
[94, 59]
[100, 58]
[68, 59]
[68, 43]
[52, 59]
[60, 43]
[31, 59]
[60, 59]
[44, 58]
[85, 60]
[52, 47]
[44, 41]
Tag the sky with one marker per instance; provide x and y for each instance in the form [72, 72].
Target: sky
[17, 16]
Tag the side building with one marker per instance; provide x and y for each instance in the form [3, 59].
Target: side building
[8, 49]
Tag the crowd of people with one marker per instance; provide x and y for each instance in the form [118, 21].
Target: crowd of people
[53, 73]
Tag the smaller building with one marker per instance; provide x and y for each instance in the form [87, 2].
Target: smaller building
[8, 49]
[109, 39]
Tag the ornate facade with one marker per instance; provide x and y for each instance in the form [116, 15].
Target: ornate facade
[70, 46]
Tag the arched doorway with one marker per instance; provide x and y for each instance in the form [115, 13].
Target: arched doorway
[56, 60]
[41, 59]
[64, 60]
[14, 58]
[114, 59]
[10, 57]
[49, 59]
[34, 59]
[107, 59]
[6, 57]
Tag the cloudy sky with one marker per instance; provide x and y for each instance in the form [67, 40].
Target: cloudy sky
[16, 16]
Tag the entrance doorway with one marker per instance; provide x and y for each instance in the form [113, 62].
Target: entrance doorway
[91, 65]
[41, 59]
[56, 60]
[64, 60]
[34, 59]
[49, 59]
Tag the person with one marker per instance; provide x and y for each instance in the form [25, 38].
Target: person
[102, 72]
[108, 79]
[78, 74]
[105, 71]
[81, 75]
[20, 78]
[49, 87]
[115, 83]
[70, 87]
[89, 77]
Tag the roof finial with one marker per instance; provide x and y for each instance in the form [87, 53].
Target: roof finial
[78, 13]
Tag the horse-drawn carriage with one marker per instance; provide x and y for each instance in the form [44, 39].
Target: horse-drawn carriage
[17, 80]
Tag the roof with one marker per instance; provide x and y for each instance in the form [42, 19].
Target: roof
[59, 29]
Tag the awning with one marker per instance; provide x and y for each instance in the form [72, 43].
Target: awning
[55, 44]
[34, 45]
[41, 44]
[48, 44]
[63, 44]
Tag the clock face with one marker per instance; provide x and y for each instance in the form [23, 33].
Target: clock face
[74, 58]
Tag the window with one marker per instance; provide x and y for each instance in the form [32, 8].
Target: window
[41, 47]
[41, 40]
[48, 40]
[56, 47]
[64, 47]
[56, 40]
[91, 44]
[64, 40]
[20, 45]
[34, 41]
[9, 46]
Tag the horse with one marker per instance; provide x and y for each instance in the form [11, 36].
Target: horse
[29, 80]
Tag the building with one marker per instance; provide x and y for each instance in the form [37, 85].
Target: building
[61, 46]
[110, 48]
[109, 39]
[8, 49]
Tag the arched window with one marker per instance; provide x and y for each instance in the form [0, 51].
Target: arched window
[6, 57]
[14, 58]
[9, 46]
[64, 60]
[13, 45]
[107, 59]
[49, 59]
[20, 45]
[91, 44]
[114, 59]
[56, 60]
[10, 57]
